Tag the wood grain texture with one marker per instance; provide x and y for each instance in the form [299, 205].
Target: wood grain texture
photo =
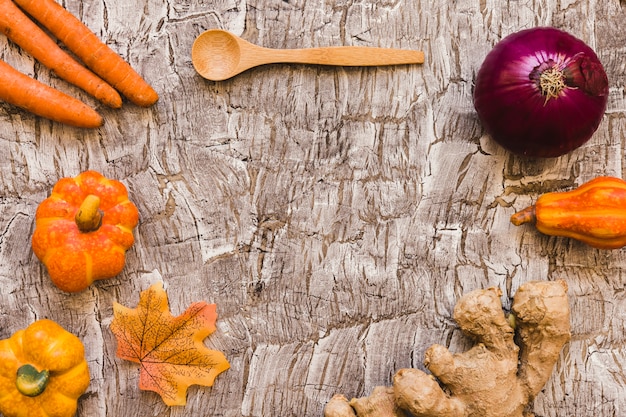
[335, 215]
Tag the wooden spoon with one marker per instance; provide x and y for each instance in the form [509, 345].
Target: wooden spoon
[218, 55]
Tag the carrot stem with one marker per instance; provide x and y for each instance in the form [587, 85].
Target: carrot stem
[91, 50]
[31, 95]
[20, 29]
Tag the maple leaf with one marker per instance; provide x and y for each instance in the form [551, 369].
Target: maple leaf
[169, 349]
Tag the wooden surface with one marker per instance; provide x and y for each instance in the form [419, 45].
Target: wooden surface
[335, 215]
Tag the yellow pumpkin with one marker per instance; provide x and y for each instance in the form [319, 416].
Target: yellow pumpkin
[43, 372]
[83, 230]
[594, 213]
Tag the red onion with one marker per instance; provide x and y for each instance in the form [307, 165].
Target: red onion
[541, 92]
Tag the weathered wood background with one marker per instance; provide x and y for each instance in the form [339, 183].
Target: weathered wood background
[335, 215]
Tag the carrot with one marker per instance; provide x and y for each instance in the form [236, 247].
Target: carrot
[23, 91]
[21, 30]
[91, 50]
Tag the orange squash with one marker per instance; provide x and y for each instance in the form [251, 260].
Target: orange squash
[83, 230]
[43, 372]
[594, 213]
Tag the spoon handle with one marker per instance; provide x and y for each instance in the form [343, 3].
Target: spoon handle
[346, 56]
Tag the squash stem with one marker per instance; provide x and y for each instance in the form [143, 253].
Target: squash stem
[30, 381]
[524, 216]
[89, 216]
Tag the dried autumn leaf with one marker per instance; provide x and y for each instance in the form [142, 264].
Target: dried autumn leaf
[169, 349]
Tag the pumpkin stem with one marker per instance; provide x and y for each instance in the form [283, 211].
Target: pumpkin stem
[525, 216]
[30, 381]
[89, 216]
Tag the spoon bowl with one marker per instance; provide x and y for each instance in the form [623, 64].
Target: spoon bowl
[218, 55]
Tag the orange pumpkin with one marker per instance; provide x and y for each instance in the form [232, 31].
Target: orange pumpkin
[43, 372]
[83, 230]
[594, 213]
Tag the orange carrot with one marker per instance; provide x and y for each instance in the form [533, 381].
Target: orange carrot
[31, 95]
[91, 50]
[21, 30]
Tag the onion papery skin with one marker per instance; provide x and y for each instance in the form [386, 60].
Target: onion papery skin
[512, 107]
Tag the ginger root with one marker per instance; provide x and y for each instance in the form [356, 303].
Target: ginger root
[495, 378]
